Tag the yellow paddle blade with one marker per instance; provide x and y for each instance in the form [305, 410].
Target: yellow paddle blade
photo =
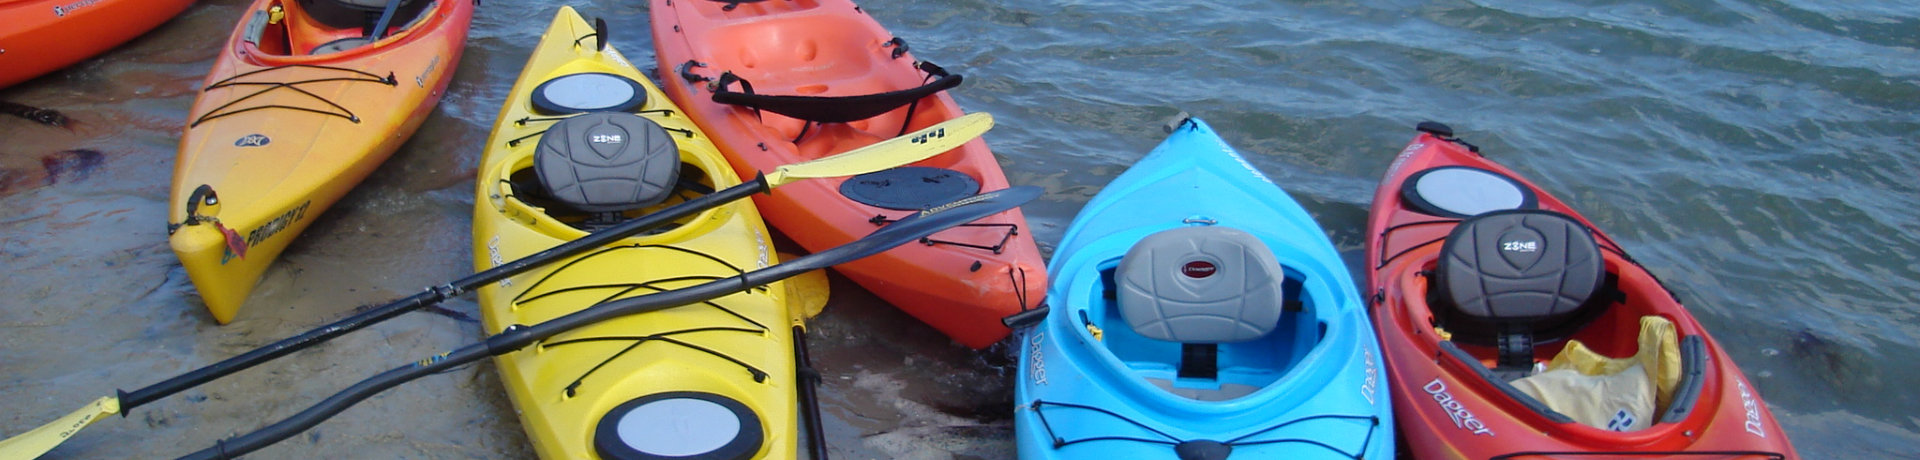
[914, 146]
[807, 293]
[33, 444]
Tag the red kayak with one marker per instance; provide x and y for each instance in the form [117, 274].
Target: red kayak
[778, 82]
[1479, 279]
[40, 36]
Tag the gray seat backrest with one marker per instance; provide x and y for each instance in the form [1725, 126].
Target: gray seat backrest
[1200, 285]
[1518, 266]
[607, 161]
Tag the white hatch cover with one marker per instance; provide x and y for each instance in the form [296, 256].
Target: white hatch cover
[588, 92]
[1460, 191]
[679, 425]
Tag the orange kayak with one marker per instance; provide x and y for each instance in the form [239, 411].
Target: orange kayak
[779, 82]
[40, 36]
[300, 106]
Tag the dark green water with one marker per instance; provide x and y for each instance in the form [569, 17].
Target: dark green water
[1757, 155]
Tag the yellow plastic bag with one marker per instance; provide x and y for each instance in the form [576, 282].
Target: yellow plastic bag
[1620, 394]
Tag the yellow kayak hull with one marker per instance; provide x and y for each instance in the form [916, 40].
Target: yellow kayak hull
[280, 135]
[739, 347]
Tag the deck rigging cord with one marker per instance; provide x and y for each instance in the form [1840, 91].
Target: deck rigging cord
[1373, 424]
[334, 109]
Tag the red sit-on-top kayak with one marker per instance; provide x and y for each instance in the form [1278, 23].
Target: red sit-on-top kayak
[40, 36]
[1476, 275]
[782, 81]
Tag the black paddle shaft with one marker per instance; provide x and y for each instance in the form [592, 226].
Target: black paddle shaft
[809, 381]
[900, 232]
[435, 294]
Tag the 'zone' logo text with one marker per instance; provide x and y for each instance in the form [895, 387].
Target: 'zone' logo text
[1520, 246]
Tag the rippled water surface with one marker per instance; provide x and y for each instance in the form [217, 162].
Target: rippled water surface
[1758, 155]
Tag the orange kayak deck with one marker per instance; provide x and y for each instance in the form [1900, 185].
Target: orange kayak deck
[961, 281]
[41, 36]
[281, 132]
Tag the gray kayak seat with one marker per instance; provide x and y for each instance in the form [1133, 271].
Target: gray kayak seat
[607, 162]
[1519, 266]
[1504, 276]
[1462, 191]
[340, 45]
[343, 14]
[1200, 285]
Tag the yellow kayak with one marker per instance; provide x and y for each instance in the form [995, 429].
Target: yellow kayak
[585, 141]
[296, 111]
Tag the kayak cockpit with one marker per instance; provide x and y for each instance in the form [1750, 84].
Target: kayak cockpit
[365, 14]
[319, 27]
[1203, 313]
[1516, 291]
[1198, 312]
[1510, 278]
[598, 169]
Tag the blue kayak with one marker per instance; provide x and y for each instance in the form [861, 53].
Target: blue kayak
[1197, 312]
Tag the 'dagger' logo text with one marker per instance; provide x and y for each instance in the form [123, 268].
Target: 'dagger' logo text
[1462, 418]
[1198, 269]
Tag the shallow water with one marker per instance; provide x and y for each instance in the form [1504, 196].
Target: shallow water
[1755, 154]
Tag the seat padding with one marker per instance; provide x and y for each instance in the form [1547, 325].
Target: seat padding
[607, 161]
[1518, 266]
[1200, 285]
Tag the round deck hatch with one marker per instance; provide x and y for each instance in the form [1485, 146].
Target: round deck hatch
[681, 425]
[1460, 191]
[909, 188]
[588, 92]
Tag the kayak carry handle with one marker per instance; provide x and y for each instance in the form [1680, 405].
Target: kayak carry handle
[1178, 120]
[1435, 128]
[600, 34]
[1025, 317]
[1445, 133]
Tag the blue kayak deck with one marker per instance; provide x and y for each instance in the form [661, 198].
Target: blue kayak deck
[1089, 386]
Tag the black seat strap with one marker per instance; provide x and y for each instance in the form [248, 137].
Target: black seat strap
[1199, 360]
[731, 4]
[378, 28]
[831, 109]
[1516, 349]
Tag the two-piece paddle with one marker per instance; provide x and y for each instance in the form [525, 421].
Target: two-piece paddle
[898, 151]
[912, 228]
